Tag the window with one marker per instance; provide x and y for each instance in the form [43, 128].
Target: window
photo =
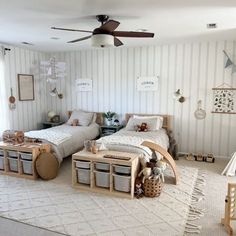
[4, 111]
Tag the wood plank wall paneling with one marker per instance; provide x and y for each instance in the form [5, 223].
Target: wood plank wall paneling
[194, 68]
[28, 115]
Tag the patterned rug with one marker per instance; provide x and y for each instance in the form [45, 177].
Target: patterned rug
[60, 208]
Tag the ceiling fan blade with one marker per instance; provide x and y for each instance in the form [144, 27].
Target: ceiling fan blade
[117, 42]
[110, 25]
[80, 39]
[133, 34]
[85, 31]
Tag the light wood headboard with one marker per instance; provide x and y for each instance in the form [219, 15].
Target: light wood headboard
[166, 119]
[99, 119]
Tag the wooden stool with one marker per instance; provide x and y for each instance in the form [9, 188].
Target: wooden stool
[230, 208]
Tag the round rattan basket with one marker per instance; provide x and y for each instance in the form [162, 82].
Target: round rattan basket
[152, 187]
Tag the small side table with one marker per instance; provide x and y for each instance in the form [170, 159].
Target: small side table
[108, 130]
[48, 124]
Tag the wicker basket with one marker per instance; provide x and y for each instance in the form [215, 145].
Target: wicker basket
[152, 187]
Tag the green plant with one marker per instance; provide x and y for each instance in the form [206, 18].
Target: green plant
[109, 115]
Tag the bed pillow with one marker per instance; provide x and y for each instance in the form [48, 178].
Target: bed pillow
[85, 118]
[134, 122]
[159, 120]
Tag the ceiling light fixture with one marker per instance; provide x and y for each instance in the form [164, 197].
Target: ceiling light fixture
[54, 38]
[102, 40]
[211, 26]
[26, 43]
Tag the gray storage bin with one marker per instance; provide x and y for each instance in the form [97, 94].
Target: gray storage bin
[102, 179]
[27, 167]
[82, 164]
[13, 164]
[12, 153]
[83, 176]
[122, 169]
[2, 160]
[1, 152]
[122, 183]
[26, 156]
[102, 166]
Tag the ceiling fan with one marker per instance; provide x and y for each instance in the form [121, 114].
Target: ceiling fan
[106, 35]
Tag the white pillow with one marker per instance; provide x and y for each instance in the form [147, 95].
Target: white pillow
[133, 122]
[85, 118]
[159, 120]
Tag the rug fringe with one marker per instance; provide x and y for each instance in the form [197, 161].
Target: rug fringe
[196, 213]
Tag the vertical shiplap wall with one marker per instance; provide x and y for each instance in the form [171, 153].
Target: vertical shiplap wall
[28, 115]
[192, 67]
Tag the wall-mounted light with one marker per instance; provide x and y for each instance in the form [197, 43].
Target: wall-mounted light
[178, 96]
[54, 93]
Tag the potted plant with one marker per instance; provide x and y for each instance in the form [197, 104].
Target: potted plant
[108, 117]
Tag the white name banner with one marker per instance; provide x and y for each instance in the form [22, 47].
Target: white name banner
[147, 83]
[83, 85]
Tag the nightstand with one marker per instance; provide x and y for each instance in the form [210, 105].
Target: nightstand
[48, 124]
[108, 130]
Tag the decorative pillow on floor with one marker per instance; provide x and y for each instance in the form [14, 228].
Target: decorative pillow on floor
[47, 165]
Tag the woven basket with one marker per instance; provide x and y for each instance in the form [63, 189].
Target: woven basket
[152, 187]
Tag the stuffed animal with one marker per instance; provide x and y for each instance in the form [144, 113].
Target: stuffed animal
[147, 171]
[142, 128]
[158, 171]
[75, 122]
[138, 188]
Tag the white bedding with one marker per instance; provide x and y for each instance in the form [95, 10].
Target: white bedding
[65, 139]
[130, 141]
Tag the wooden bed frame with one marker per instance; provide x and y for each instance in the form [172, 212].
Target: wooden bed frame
[157, 148]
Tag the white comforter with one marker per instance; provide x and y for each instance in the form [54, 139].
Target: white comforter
[130, 141]
[66, 139]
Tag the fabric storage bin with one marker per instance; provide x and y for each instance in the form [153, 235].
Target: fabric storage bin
[122, 169]
[83, 176]
[1, 152]
[27, 167]
[2, 160]
[102, 166]
[13, 164]
[82, 164]
[12, 153]
[102, 179]
[122, 183]
[26, 156]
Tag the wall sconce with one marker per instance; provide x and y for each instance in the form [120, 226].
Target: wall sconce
[178, 96]
[54, 93]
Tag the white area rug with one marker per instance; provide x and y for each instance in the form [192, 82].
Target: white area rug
[59, 207]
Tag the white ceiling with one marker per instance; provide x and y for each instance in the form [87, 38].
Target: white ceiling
[170, 20]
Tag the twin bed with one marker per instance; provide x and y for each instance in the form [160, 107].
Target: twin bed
[67, 139]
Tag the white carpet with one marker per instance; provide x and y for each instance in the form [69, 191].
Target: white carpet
[56, 206]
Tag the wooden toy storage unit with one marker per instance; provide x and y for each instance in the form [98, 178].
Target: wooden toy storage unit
[30, 149]
[111, 176]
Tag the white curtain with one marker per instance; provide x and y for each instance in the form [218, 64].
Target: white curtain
[4, 111]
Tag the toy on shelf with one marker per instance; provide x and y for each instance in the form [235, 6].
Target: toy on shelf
[190, 157]
[230, 209]
[210, 158]
[200, 157]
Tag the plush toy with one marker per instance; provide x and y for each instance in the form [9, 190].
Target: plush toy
[138, 188]
[147, 171]
[158, 170]
[75, 122]
[142, 128]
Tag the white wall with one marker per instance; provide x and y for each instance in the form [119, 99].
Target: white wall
[28, 114]
[193, 67]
